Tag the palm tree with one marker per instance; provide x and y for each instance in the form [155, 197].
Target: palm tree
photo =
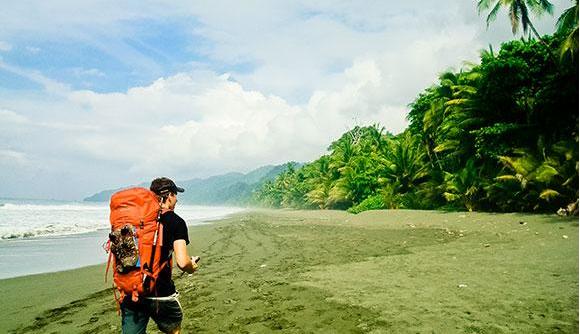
[464, 188]
[452, 114]
[319, 179]
[434, 116]
[487, 54]
[519, 12]
[352, 166]
[403, 165]
[567, 24]
[459, 118]
[550, 174]
[403, 171]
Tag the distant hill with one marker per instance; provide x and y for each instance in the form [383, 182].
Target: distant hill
[230, 188]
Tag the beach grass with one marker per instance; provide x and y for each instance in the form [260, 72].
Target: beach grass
[393, 271]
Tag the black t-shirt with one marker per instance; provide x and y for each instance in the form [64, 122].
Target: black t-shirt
[174, 228]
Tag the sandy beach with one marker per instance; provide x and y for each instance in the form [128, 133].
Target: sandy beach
[333, 272]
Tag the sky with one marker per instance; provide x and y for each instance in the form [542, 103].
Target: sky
[102, 94]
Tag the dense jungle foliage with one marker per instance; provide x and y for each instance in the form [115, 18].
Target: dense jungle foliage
[501, 135]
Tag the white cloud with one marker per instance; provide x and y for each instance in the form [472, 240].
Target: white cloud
[207, 123]
[10, 118]
[201, 123]
[188, 120]
[310, 70]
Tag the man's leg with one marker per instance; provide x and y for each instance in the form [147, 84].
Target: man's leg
[133, 321]
[168, 315]
[175, 331]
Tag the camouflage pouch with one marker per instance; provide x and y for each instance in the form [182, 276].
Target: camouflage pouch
[124, 248]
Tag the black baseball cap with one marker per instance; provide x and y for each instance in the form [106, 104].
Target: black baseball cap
[163, 186]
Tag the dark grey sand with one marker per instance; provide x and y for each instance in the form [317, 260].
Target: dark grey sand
[333, 272]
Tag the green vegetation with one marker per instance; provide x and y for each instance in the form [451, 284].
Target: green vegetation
[501, 135]
[568, 26]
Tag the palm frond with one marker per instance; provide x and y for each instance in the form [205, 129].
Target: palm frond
[507, 178]
[449, 197]
[447, 145]
[568, 20]
[570, 44]
[493, 13]
[545, 173]
[456, 102]
[548, 194]
[484, 5]
[521, 15]
[542, 6]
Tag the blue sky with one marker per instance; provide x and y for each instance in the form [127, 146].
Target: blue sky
[101, 94]
[153, 49]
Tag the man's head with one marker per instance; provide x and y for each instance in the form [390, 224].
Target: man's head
[167, 190]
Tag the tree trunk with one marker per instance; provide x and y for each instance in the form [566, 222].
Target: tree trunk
[542, 41]
[537, 34]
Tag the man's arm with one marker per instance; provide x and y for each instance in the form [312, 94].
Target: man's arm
[183, 259]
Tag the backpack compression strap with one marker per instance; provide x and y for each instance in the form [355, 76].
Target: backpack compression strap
[146, 275]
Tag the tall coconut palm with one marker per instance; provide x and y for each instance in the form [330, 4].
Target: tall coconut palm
[435, 115]
[519, 12]
[452, 115]
[454, 140]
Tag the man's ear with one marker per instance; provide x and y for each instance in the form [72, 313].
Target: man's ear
[162, 199]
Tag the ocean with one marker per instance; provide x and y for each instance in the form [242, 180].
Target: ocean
[39, 236]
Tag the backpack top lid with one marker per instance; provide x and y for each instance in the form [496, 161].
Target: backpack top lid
[133, 206]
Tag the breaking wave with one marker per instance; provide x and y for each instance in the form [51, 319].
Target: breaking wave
[51, 219]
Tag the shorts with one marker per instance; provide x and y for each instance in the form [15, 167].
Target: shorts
[165, 311]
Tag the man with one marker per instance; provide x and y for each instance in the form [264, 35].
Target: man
[163, 307]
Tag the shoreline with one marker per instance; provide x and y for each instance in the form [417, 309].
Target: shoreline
[22, 257]
[28, 295]
[327, 271]
[53, 253]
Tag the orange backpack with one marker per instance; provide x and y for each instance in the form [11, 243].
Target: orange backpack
[135, 242]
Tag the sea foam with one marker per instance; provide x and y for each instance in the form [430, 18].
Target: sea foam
[34, 219]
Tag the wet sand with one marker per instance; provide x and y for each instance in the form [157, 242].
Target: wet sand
[333, 272]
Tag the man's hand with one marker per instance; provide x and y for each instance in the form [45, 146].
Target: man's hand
[194, 261]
